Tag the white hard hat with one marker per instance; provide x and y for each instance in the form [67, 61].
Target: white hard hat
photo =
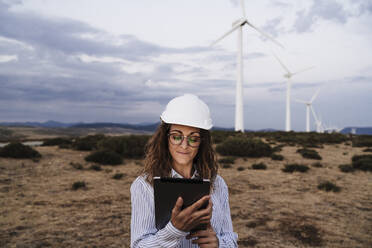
[187, 110]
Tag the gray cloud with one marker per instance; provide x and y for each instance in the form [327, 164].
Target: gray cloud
[326, 10]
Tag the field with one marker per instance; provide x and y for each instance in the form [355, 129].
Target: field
[270, 208]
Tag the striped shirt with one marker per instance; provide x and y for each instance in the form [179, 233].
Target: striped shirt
[143, 230]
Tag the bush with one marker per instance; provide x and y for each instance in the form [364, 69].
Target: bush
[278, 148]
[317, 165]
[367, 150]
[240, 168]
[118, 176]
[227, 160]
[219, 136]
[78, 185]
[290, 168]
[309, 153]
[132, 146]
[64, 142]
[346, 168]
[18, 150]
[278, 157]
[88, 143]
[244, 147]
[77, 166]
[226, 166]
[362, 162]
[104, 157]
[95, 167]
[362, 140]
[259, 166]
[328, 186]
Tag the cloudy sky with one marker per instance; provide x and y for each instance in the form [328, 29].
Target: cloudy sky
[122, 61]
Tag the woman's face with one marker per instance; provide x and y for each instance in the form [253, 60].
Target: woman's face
[183, 154]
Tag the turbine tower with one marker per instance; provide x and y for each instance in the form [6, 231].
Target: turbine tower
[289, 75]
[308, 106]
[238, 25]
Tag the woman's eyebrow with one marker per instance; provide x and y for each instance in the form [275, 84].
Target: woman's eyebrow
[178, 131]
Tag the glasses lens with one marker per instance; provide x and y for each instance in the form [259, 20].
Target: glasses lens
[193, 141]
[176, 139]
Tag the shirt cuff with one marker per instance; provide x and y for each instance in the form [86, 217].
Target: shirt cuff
[174, 231]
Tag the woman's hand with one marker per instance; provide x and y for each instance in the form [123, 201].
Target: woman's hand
[191, 216]
[205, 238]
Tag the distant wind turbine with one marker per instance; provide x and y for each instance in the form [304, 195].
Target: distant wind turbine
[318, 122]
[308, 107]
[289, 75]
[238, 25]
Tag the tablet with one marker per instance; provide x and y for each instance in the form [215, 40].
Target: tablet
[167, 191]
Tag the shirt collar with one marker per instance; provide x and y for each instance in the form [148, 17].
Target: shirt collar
[175, 174]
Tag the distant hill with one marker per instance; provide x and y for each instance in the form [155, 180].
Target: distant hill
[358, 130]
[141, 127]
[150, 127]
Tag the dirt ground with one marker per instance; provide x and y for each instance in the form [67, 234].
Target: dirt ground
[269, 208]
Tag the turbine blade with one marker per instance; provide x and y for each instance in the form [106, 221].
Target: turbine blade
[281, 63]
[300, 101]
[314, 96]
[265, 35]
[243, 8]
[314, 115]
[306, 69]
[227, 33]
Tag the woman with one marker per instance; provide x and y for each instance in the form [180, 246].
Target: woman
[181, 147]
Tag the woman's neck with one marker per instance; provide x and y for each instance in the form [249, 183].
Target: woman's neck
[184, 170]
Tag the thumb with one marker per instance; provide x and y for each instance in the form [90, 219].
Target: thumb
[177, 206]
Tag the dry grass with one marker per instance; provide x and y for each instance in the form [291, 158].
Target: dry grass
[269, 208]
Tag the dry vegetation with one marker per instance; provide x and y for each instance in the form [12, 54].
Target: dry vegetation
[60, 200]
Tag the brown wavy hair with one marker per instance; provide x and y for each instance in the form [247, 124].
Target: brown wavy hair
[158, 160]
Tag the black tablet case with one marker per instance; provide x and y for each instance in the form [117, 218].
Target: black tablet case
[167, 190]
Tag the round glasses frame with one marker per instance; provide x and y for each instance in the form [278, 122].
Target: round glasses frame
[188, 139]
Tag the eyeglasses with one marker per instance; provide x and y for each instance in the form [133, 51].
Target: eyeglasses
[177, 139]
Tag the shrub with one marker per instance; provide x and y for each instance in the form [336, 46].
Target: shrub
[18, 150]
[78, 185]
[367, 150]
[259, 166]
[244, 147]
[104, 157]
[118, 176]
[227, 160]
[309, 153]
[362, 140]
[278, 148]
[240, 168]
[289, 168]
[132, 146]
[95, 167]
[88, 143]
[278, 157]
[64, 142]
[328, 186]
[317, 165]
[362, 162]
[226, 166]
[346, 168]
[77, 166]
[219, 136]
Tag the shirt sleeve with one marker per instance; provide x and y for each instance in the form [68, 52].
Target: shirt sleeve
[143, 230]
[226, 236]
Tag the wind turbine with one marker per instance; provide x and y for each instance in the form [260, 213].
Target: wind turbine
[289, 75]
[318, 122]
[308, 107]
[238, 25]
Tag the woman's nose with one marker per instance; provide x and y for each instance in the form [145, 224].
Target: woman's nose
[184, 143]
